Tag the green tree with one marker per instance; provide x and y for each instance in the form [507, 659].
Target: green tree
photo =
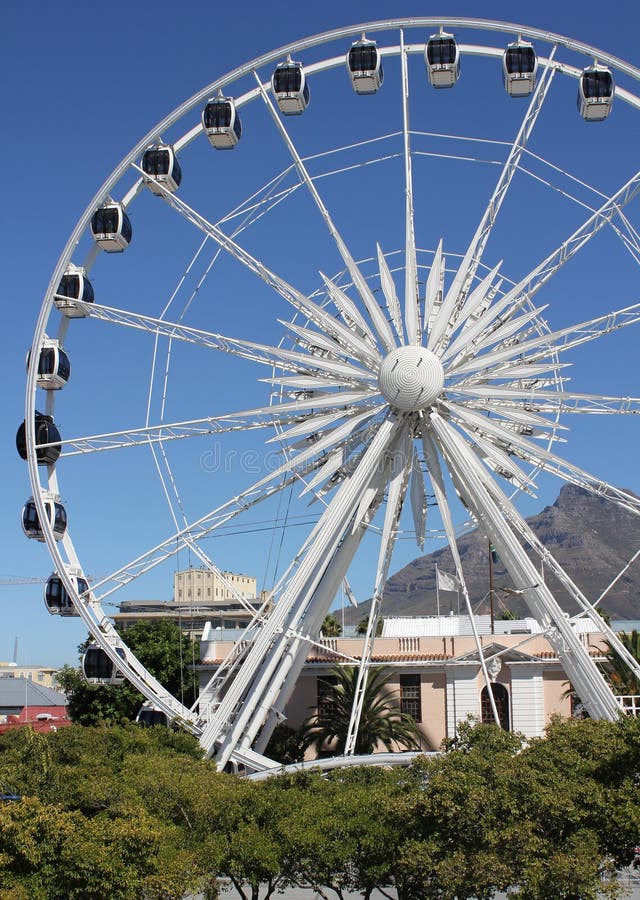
[381, 721]
[622, 679]
[331, 627]
[361, 627]
[162, 648]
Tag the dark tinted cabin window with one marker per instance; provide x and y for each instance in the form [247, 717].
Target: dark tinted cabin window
[70, 285]
[60, 521]
[106, 221]
[47, 361]
[520, 60]
[30, 517]
[288, 80]
[597, 84]
[217, 114]
[97, 664]
[64, 366]
[125, 231]
[363, 59]
[156, 162]
[441, 51]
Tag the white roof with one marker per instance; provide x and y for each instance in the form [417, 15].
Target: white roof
[450, 626]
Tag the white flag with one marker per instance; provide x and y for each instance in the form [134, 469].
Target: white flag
[350, 595]
[447, 582]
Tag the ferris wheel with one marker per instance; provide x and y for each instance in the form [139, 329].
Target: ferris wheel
[371, 296]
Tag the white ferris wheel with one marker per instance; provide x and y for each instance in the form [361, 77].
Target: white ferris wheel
[372, 297]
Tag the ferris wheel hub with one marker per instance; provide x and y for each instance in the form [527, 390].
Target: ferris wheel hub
[411, 378]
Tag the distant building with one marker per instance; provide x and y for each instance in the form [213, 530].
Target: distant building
[436, 673]
[23, 702]
[44, 675]
[199, 596]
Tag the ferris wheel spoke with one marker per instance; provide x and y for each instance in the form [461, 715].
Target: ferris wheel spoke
[294, 297]
[551, 401]
[338, 347]
[434, 289]
[429, 448]
[378, 320]
[411, 299]
[304, 363]
[456, 297]
[551, 343]
[525, 289]
[301, 415]
[399, 472]
[467, 474]
[503, 331]
[514, 442]
[244, 698]
[389, 292]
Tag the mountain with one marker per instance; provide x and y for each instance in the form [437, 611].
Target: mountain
[590, 537]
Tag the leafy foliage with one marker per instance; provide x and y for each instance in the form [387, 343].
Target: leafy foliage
[111, 813]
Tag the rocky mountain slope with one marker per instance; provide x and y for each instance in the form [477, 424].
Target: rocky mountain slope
[591, 539]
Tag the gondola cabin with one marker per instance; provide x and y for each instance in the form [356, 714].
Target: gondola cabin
[47, 440]
[149, 715]
[290, 88]
[519, 69]
[442, 58]
[98, 668]
[74, 288]
[54, 367]
[111, 228]
[56, 516]
[221, 123]
[595, 93]
[161, 169]
[364, 64]
[57, 598]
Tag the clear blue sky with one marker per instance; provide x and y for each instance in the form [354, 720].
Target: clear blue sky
[79, 85]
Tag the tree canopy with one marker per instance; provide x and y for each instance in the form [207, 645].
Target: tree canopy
[125, 812]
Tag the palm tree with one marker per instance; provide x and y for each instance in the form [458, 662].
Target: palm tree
[622, 679]
[381, 721]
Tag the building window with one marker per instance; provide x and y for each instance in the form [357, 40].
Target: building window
[325, 693]
[410, 700]
[501, 696]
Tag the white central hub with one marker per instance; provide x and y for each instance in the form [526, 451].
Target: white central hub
[411, 378]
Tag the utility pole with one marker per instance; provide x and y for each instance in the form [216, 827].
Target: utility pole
[492, 618]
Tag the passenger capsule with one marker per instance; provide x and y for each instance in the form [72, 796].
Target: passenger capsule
[57, 598]
[221, 122]
[56, 516]
[74, 288]
[595, 93]
[443, 60]
[161, 169]
[364, 65]
[47, 439]
[111, 228]
[519, 68]
[98, 668]
[290, 88]
[149, 715]
[54, 367]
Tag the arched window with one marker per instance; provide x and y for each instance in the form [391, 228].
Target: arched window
[501, 697]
